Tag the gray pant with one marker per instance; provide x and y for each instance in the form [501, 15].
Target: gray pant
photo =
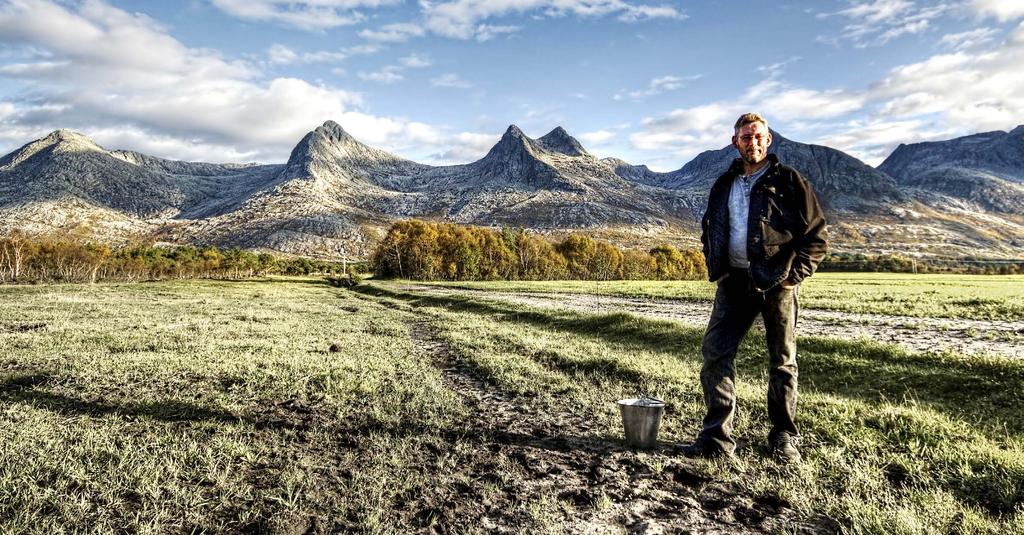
[737, 303]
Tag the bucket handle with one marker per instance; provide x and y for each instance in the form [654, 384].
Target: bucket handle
[646, 399]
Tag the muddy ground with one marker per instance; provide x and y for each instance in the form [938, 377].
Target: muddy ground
[969, 337]
[606, 487]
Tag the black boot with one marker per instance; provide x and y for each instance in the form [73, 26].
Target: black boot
[783, 446]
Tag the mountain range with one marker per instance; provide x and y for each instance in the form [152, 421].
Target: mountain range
[335, 196]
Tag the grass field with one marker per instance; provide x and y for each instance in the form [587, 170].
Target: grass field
[291, 406]
[942, 296]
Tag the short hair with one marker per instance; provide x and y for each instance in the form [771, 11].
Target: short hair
[748, 118]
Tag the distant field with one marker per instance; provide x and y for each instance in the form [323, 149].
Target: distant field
[941, 296]
[289, 406]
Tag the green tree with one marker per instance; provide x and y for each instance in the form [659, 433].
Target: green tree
[578, 251]
[669, 262]
[606, 264]
[638, 265]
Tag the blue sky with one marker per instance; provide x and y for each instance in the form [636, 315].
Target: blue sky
[649, 81]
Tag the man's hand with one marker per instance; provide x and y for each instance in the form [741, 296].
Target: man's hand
[789, 284]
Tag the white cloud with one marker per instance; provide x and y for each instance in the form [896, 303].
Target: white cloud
[597, 137]
[487, 32]
[393, 33]
[450, 80]
[464, 147]
[362, 50]
[393, 73]
[1003, 10]
[193, 100]
[638, 13]
[979, 90]
[969, 39]
[147, 142]
[323, 56]
[6, 110]
[876, 22]
[309, 15]
[912, 27]
[97, 37]
[878, 11]
[799, 103]
[943, 96]
[774, 70]
[873, 140]
[685, 132]
[657, 86]
[35, 68]
[415, 61]
[386, 75]
[281, 54]
[461, 18]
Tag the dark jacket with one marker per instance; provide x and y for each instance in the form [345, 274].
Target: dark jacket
[786, 236]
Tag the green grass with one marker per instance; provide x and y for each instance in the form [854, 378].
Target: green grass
[942, 296]
[217, 406]
[894, 442]
[207, 406]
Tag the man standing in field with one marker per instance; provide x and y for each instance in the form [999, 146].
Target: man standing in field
[763, 233]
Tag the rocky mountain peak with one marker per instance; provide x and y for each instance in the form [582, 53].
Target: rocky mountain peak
[515, 159]
[329, 155]
[327, 140]
[513, 132]
[62, 134]
[70, 140]
[333, 132]
[513, 143]
[558, 140]
[59, 141]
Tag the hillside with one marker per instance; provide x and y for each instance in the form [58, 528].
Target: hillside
[985, 170]
[335, 195]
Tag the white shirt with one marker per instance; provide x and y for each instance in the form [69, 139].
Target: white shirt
[739, 208]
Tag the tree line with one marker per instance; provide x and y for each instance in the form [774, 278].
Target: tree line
[896, 263]
[414, 250]
[422, 250]
[27, 259]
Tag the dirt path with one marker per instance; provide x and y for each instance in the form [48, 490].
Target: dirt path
[525, 454]
[964, 336]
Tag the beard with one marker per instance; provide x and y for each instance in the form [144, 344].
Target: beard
[753, 157]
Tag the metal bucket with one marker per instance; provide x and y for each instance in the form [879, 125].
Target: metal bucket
[641, 418]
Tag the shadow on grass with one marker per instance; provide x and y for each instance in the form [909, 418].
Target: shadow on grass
[618, 328]
[351, 436]
[703, 299]
[593, 366]
[981, 392]
[589, 367]
[313, 280]
[28, 388]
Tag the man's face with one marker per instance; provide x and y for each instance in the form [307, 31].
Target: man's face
[752, 141]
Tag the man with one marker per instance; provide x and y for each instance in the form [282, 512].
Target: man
[763, 233]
